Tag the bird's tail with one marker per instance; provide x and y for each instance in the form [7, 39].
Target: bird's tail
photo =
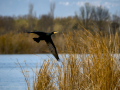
[36, 39]
[59, 60]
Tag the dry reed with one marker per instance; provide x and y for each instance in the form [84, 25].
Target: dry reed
[96, 68]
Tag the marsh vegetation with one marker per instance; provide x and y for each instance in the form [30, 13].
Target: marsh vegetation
[98, 70]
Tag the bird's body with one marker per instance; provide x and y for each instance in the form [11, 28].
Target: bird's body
[48, 40]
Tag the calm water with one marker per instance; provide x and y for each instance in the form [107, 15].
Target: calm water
[11, 77]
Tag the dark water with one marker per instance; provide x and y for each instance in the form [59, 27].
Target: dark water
[11, 77]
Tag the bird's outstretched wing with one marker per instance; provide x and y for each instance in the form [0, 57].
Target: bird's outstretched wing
[38, 33]
[52, 47]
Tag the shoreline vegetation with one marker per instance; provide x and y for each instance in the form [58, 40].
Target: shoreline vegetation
[96, 19]
[22, 43]
[97, 71]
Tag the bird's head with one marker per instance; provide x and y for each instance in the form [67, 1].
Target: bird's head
[55, 32]
[52, 33]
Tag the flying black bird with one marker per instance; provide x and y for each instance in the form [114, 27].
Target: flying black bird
[47, 38]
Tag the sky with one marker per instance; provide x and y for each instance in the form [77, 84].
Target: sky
[63, 8]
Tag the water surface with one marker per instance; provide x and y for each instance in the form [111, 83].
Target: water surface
[11, 77]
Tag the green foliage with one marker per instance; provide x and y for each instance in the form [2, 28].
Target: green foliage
[22, 25]
[6, 24]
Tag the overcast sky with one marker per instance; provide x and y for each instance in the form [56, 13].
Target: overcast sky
[63, 8]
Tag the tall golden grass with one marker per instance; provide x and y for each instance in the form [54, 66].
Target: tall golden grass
[96, 68]
[23, 43]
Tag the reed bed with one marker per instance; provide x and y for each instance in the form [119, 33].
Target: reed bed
[23, 43]
[92, 63]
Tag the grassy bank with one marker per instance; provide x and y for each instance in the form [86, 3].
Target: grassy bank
[23, 43]
[98, 70]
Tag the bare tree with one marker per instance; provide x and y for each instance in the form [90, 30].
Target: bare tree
[31, 16]
[89, 14]
[52, 8]
[115, 23]
[101, 17]
[46, 21]
[31, 10]
[7, 24]
[51, 14]
[86, 14]
[116, 18]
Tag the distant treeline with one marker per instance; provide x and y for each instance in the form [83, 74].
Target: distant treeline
[92, 18]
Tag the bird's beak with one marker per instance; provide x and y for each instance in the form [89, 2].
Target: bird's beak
[55, 32]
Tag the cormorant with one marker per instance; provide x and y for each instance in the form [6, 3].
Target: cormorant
[47, 38]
